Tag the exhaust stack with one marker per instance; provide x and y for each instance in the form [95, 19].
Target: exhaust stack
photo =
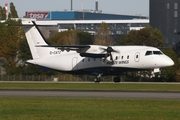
[71, 5]
[6, 7]
[96, 6]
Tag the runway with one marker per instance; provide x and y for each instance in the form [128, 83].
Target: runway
[134, 95]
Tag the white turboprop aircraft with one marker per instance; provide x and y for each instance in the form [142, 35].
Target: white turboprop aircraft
[92, 59]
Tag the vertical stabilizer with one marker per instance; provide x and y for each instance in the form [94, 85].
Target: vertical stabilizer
[34, 38]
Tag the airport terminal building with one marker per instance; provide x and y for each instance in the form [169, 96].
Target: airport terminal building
[88, 21]
[78, 15]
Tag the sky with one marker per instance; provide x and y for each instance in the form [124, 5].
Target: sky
[125, 7]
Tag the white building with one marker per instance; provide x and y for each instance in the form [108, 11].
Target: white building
[116, 27]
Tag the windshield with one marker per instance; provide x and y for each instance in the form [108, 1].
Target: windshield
[153, 53]
[157, 52]
[148, 53]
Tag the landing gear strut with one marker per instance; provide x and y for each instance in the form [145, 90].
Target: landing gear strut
[117, 79]
[98, 78]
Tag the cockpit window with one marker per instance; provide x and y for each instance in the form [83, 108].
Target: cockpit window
[149, 53]
[157, 53]
[153, 53]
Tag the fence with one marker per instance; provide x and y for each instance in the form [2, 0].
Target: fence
[64, 77]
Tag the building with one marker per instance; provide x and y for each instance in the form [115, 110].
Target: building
[78, 15]
[116, 27]
[165, 15]
[88, 21]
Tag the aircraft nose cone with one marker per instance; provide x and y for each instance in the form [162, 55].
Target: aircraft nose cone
[165, 61]
[170, 63]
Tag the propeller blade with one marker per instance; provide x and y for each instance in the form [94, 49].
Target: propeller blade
[107, 55]
[111, 57]
[109, 51]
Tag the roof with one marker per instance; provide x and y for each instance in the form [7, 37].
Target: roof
[56, 22]
[79, 15]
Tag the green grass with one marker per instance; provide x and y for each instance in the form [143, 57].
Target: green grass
[12, 108]
[92, 86]
[87, 109]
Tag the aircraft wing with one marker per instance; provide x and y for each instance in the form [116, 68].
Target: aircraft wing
[67, 47]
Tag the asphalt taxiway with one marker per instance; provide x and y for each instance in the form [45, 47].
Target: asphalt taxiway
[138, 95]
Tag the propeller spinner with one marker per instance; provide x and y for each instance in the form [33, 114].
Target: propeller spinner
[109, 51]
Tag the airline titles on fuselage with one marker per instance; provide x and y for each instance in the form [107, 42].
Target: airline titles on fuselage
[107, 63]
[117, 62]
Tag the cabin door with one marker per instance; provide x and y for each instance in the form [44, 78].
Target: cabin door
[74, 63]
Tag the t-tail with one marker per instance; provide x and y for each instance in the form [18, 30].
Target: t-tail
[35, 40]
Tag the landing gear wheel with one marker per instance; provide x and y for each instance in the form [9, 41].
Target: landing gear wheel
[116, 79]
[96, 80]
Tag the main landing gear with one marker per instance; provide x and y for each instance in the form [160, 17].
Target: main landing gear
[98, 79]
[117, 79]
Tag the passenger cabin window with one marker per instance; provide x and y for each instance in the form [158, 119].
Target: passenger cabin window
[121, 57]
[137, 56]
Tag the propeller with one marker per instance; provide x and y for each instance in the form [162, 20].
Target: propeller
[109, 51]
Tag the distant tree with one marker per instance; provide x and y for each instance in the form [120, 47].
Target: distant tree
[71, 37]
[2, 13]
[146, 36]
[102, 37]
[10, 38]
[24, 50]
[170, 74]
[13, 13]
[178, 71]
[64, 38]
[85, 38]
[129, 39]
